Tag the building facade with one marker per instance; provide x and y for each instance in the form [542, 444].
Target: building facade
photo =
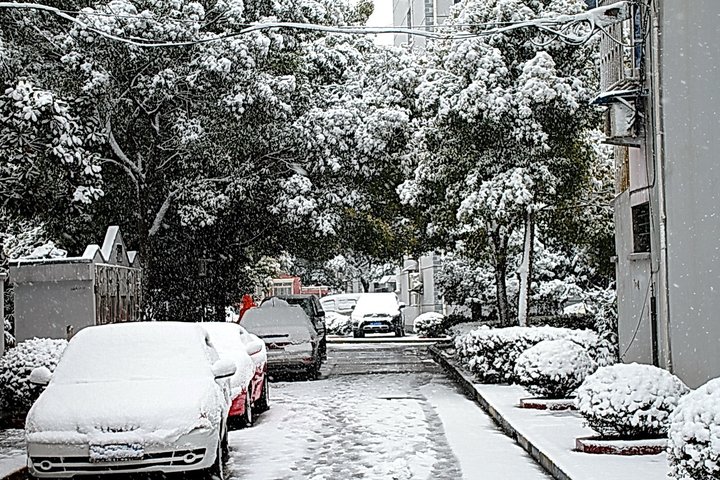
[662, 93]
[423, 14]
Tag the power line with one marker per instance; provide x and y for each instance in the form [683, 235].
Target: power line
[565, 28]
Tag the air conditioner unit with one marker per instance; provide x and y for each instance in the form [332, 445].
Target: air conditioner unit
[620, 120]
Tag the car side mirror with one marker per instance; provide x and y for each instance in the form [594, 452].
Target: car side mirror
[321, 313]
[402, 305]
[40, 376]
[253, 347]
[223, 368]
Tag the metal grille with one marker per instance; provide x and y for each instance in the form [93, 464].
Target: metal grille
[118, 294]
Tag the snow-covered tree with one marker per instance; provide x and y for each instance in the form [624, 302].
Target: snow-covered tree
[502, 138]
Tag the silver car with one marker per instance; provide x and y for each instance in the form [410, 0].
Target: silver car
[132, 397]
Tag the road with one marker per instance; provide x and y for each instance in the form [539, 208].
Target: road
[380, 411]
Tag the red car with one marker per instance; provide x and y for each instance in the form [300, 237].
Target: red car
[249, 385]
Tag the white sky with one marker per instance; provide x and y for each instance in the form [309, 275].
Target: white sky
[382, 17]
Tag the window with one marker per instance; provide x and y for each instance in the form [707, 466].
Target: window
[641, 228]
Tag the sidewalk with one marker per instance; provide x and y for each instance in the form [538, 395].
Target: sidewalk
[549, 436]
[12, 452]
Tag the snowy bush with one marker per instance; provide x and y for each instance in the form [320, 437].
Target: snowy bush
[553, 368]
[338, 324]
[491, 353]
[16, 392]
[430, 324]
[694, 434]
[630, 401]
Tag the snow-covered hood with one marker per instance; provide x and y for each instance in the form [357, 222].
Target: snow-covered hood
[143, 411]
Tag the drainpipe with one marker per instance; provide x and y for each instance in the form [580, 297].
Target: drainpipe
[659, 151]
[3, 277]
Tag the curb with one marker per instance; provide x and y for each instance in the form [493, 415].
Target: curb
[466, 383]
[18, 474]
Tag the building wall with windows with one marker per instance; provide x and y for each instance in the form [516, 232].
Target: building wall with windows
[421, 14]
[667, 177]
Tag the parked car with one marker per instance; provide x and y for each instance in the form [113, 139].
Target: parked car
[249, 386]
[293, 344]
[131, 397]
[342, 303]
[378, 313]
[311, 305]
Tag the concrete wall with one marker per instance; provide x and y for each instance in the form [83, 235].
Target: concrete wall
[632, 276]
[45, 308]
[430, 297]
[690, 79]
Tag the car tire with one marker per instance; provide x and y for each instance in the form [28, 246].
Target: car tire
[217, 471]
[263, 403]
[246, 420]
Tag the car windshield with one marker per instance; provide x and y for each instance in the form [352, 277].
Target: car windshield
[125, 352]
[225, 336]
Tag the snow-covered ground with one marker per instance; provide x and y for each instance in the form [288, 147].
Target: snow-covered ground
[394, 426]
[12, 451]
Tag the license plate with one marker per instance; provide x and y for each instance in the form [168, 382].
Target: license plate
[376, 324]
[116, 452]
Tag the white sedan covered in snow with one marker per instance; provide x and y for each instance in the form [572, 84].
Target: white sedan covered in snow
[249, 385]
[131, 397]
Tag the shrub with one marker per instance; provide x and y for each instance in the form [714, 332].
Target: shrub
[491, 353]
[553, 368]
[694, 434]
[17, 394]
[430, 324]
[338, 324]
[629, 401]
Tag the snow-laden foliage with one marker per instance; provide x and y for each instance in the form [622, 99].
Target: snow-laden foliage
[491, 353]
[630, 400]
[17, 394]
[694, 434]
[430, 324]
[553, 368]
[502, 136]
[602, 303]
[8, 337]
[338, 324]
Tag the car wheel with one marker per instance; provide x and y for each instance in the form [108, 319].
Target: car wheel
[246, 420]
[263, 403]
[216, 472]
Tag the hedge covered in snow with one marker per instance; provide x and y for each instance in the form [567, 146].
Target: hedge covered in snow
[338, 324]
[553, 368]
[17, 394]
[694, 434]
[630, 401]
[430, 324]
[491, 353]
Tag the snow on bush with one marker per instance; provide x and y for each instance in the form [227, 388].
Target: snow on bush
[694, 434]
[553, 368]
[430, 324]
[16, 392]
[630, 401]
[491, 353]
[338, 324]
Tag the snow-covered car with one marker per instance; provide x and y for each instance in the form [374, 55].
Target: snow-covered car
[293, 344]
[378, 313]
[249, 386]
[342, 303]
[131, 397]
[313, 309]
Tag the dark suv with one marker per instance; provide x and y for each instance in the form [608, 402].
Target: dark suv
[313, 309]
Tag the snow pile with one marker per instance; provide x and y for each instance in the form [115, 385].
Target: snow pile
[553, 368]
[694, 434]
[630, 401]
[430, 324]
[491, 353]
[16, 392]
[338, 324]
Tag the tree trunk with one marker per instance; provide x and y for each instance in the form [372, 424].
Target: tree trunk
[525, 270]
[500, 251]
[365, 284]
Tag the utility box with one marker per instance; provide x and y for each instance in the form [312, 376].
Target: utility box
[57, 297]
